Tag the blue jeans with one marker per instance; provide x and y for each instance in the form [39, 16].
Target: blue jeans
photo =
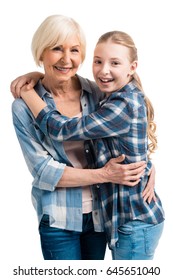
[137, 241]
[60, 244]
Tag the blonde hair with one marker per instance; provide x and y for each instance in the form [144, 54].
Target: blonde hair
[54, 31]
[122, 38]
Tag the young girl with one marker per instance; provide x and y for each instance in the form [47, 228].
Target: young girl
[123, 124]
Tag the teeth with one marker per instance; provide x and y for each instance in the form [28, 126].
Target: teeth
[62, 68]
[106, 80]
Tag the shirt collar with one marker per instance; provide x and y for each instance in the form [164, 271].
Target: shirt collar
[84, 84]
[42, 91]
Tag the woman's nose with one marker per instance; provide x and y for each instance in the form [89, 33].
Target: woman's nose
[65, 57]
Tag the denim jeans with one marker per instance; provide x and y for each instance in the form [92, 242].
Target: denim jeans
[137, 241]
[60, 244]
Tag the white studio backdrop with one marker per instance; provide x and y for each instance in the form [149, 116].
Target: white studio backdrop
[150, 25]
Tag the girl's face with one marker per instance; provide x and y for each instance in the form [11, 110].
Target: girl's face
[62, 62]
[112, 68]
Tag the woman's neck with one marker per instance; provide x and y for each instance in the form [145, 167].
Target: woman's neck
[66, 95]
[62, 89]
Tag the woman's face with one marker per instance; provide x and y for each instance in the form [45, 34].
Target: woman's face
[112, 68]
[62, 62]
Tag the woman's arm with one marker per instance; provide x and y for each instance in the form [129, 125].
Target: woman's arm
[36, 104]
[113, 171]
[49, 173]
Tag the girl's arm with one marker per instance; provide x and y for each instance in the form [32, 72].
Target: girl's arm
[110, 120]
[127, 174]
[148, 193]
[29, 79]
[48, 173]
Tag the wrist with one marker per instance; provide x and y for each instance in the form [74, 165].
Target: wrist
[26, 92]
[101, 175]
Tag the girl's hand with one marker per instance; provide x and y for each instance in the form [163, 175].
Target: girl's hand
[148, 193]
[29, 80]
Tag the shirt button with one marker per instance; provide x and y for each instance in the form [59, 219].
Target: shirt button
[36, 126]
[87, 151]
[98, 187]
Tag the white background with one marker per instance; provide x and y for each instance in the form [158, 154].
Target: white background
[150, 24]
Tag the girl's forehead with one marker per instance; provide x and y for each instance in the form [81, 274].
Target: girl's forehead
[110, 48]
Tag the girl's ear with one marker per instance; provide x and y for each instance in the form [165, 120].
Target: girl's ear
[133, 67]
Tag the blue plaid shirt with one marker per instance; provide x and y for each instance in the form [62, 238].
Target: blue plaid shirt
[119, 126]
[46, 163]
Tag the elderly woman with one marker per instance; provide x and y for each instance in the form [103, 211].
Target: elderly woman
[64, 189]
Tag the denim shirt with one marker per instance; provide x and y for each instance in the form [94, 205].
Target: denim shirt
[46, 163]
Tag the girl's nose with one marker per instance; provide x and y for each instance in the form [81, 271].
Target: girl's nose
[105, 69]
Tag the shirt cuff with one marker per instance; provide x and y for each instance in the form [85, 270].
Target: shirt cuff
[42, 117]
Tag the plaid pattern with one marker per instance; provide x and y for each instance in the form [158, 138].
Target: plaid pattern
[121, 122]
[46, 163]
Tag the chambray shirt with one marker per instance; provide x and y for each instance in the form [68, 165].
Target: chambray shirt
[46, 163]
[121, 122]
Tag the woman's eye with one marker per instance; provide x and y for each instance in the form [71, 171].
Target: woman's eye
[57, 49]
[75, 50]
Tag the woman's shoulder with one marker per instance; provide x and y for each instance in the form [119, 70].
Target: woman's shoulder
[90, 87]
[18, 105]
[21, 113]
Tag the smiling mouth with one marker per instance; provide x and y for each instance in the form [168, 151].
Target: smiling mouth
[105, 81]
[63, 69]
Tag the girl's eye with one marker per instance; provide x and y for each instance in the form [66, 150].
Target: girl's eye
[115, 63]
[97, 62]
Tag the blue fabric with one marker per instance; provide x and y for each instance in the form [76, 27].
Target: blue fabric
[137, 241]
[46, 164]
[60, 244]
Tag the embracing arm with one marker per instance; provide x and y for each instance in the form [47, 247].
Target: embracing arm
[108, 120]
[30, 80]
[127, 174]
[148, 193]
[49, 173]
[113, 171]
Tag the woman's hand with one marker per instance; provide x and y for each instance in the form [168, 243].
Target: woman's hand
[125, 174]
[148, 193]
[29, 79]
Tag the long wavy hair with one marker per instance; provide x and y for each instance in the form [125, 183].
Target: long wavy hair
[122, 38]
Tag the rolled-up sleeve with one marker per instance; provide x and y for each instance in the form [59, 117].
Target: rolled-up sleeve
[45, 170]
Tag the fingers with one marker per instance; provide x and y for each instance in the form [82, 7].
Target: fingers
[149, 196]
[118, 159]
[131, 183]
[136, 165]
[18, 83]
